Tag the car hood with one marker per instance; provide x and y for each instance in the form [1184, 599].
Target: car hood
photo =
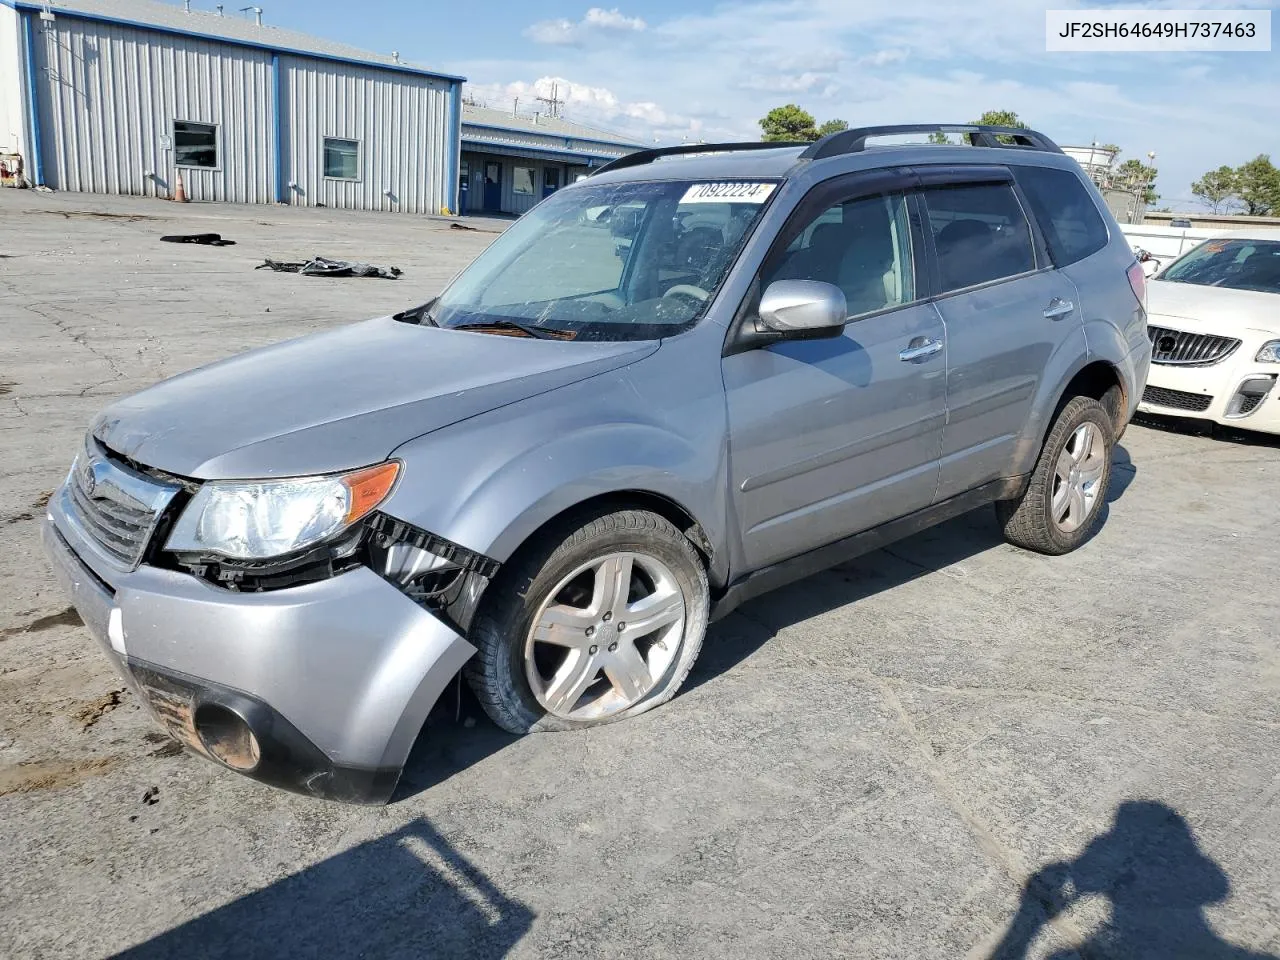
[1219, 310]
[340, 399]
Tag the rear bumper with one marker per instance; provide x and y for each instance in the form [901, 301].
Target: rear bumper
[334, 679]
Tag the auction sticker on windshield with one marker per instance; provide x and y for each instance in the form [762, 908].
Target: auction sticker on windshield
[728, 192]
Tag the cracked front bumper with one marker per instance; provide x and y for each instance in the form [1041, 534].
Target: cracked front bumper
[335, 678]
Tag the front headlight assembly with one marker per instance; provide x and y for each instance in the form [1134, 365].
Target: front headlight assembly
[1270, 352]
[264, 519]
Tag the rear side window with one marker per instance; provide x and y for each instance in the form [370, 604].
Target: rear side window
[980, 232]
[1068, 217]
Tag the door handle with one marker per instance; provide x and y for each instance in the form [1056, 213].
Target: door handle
[1058, 308]
[920, 350]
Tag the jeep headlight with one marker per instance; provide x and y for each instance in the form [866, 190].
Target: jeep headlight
[260, 519]
[1270, 352]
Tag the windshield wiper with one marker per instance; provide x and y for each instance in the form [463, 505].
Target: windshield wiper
[511, 326]
[420, 314]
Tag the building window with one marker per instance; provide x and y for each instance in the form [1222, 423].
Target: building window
[341, 159]
[195, 144]
[522, 180]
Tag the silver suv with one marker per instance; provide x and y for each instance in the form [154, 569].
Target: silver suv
[697, 375]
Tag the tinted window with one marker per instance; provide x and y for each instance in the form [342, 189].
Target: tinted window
[195, 144]
[1067, 215]
[980, 232]
[862, 246]
[1238, 264]
[341, 159]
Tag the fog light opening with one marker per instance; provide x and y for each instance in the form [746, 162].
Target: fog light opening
[1249, 396]
[227, 737]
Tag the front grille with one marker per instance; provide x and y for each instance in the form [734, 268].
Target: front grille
[115, 505]
[1177, 399]
[1179, 348]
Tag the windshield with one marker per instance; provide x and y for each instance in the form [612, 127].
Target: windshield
[629, 261]
[1238, 264]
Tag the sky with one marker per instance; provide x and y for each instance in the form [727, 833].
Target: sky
[667, 71]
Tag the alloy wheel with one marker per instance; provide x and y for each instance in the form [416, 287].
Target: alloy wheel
[605, 636]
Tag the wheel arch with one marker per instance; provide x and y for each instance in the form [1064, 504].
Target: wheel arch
[671, 510]
[1101, 381]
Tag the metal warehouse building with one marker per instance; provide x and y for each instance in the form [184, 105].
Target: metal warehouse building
[511, 162]
[125, 96]
[118, 96]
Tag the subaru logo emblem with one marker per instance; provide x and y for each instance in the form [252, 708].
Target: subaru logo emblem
[88, 482]
[1166, 344]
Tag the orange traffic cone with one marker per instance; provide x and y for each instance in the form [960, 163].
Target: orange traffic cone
[180, 194]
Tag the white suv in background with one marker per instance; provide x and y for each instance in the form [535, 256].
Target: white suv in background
[1214, 322]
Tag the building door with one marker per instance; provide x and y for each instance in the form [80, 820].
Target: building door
[550, 180]
[492, 186]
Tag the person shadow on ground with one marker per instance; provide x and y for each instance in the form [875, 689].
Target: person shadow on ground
[1157, 880]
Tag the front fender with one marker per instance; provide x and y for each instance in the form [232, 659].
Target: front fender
[489, 483]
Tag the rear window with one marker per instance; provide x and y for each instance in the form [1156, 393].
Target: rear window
[980, 232]
[1072, 227]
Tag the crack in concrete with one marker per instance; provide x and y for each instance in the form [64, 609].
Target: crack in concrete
[996, 852]
[80, 339]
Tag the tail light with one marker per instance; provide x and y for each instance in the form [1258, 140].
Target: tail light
[1138, 283]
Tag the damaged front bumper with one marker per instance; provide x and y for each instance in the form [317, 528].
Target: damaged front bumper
[320, 688]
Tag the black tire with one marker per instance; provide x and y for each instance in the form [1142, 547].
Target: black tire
[497, 672]
[1028, 520]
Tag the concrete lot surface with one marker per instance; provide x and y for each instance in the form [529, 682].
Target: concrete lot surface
[946, 749]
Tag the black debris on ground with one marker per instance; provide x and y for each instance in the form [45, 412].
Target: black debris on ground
[324, 267]
[207, 239]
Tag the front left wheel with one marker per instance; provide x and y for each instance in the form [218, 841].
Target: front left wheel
[599, 622]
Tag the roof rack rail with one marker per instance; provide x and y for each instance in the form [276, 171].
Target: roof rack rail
[648, 156]
[855, 140]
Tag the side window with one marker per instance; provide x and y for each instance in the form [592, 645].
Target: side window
[862, 246]
[1067, 214]
[980, 232]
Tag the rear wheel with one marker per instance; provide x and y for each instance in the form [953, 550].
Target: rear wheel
[599, 623]
[1063, 500]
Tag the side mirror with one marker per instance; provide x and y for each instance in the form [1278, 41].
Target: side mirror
[804, 307]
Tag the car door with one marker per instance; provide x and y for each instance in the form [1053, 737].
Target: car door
[1006, 310]
[830, 437]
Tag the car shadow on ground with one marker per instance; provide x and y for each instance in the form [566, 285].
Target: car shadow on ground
[1156, 880]
[743, 632]
[407, 894]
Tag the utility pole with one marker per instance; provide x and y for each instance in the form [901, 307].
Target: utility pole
[553, 102]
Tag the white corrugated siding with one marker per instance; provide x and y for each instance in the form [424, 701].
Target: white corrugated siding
[13, 89]
[402, 123]
[108, 94]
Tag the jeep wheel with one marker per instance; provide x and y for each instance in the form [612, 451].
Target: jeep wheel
[1063, 501]
[603, 624]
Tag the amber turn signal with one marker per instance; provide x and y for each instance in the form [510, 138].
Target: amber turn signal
[369, 487]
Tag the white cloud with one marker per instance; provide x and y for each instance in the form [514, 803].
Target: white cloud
[711, 75]
[781, 83]
[561, 32]
[612, 20]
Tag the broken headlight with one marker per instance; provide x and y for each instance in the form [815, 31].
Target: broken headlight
[261, 519]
